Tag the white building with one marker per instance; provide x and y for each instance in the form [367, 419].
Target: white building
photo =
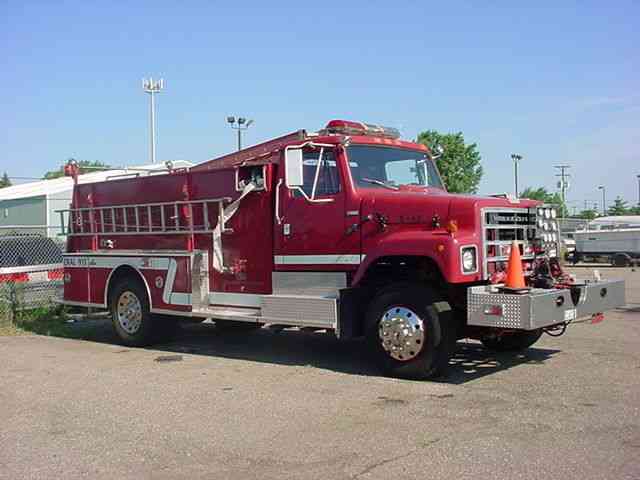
[31, 207]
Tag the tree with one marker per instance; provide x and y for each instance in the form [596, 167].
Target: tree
[4, 181]
[543, 195]
[634, 210]
[459, 165]
[86, 166]
[587, 214]
[619, 207]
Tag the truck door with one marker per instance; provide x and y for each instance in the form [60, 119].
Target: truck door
[311, 231]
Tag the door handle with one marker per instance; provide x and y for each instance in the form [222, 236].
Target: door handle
[278, 219]
[352, 229]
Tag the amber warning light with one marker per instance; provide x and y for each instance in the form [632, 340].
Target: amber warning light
[345, 127]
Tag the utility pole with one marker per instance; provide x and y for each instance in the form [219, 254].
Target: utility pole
[563, 184]
[152, 87]
[516, 159]
[239, 124]
[604, 200]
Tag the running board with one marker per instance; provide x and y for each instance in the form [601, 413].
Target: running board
[295, 310]
[222, 313]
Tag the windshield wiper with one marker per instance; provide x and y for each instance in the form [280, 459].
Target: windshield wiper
[379, 182]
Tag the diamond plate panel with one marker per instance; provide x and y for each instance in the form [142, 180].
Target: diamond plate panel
[300, 310]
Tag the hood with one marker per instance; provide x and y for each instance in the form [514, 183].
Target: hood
[413, 206]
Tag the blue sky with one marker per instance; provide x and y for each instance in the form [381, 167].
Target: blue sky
[556, 82]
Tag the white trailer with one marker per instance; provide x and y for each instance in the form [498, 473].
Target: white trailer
[614, 239]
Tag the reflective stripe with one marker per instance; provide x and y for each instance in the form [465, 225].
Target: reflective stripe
[183, 299]
[345, 259]
[141, 263]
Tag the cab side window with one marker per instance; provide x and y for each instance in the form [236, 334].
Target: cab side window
[325, 167]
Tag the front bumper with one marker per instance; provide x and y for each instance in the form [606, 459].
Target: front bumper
[539, 308]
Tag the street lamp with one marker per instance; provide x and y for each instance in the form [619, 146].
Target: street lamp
[152, 87]
[604, 200]
[516, 159]
[239, 124]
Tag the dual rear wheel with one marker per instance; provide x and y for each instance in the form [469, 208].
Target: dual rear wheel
[131, 317]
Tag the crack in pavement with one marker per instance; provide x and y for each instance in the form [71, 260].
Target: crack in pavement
[375, 465]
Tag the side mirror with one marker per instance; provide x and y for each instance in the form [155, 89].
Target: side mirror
[437, 151]
[293, 167]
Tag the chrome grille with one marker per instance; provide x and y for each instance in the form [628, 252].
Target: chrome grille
[500, 227]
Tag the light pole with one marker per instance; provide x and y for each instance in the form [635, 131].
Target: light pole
[239, 124]
[604, 201]
[516, 159]
[638, 190]
[152, 87]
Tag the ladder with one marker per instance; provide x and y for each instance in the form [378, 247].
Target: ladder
[164, 218]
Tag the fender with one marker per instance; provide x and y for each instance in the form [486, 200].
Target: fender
[439, 246]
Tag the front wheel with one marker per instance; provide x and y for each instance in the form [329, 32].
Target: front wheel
[410, 333]
[512, 342]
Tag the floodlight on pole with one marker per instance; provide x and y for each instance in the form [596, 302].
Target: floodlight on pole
[151, 86]
[239, 124]
[516, 160]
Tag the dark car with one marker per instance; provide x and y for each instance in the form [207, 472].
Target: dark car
[30, 270]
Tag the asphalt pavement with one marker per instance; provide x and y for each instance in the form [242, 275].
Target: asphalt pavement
[303, 405]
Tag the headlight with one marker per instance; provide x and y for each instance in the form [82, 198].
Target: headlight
[469, 261]
[547, 213]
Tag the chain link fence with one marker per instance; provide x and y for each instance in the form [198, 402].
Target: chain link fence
[31, 274]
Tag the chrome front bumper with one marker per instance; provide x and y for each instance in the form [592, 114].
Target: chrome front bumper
[538, 308]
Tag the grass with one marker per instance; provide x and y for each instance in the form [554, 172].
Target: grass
[51, 321]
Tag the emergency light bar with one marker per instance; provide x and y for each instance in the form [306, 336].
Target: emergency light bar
[345, 127]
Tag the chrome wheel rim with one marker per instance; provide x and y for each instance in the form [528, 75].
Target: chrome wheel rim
[401, 333]
[129, 312]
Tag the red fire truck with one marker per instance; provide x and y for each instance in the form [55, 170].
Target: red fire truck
[348, 230]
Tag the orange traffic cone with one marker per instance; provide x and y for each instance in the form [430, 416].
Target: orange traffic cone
[515, 275]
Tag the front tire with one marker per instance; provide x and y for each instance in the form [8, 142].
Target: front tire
[410, 333]
[512, 342]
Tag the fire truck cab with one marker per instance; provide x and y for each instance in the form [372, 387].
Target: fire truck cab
[348, 230]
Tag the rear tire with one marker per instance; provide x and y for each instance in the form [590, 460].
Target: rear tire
[512, 342]
[621, 260]
[410, 333]
[129, 307]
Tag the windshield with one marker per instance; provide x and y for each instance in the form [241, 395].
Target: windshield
[390, 167]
